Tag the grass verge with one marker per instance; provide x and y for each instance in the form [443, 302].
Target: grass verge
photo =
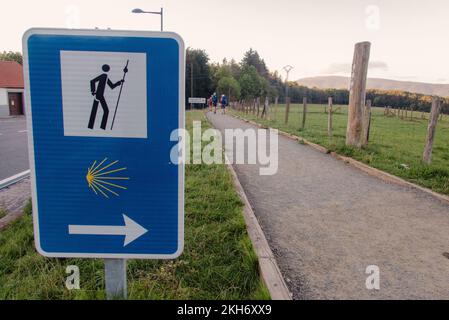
[218, 260]
[395, 146]
[3, 213]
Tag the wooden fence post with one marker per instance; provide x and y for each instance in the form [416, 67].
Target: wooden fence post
[433, 119]
[304, 112]
[287, 109]
[329, 118]
[276, 103]
[366, 122]
[357, 94]
[265, 110]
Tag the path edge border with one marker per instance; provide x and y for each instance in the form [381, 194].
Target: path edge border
[377, 173]
[269, 270]
[268, 267]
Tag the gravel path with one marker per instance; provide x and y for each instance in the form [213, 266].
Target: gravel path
[327, 221]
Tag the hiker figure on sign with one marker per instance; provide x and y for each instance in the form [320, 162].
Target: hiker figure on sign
[97, 88]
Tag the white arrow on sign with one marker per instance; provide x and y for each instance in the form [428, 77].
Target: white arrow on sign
[131, 230]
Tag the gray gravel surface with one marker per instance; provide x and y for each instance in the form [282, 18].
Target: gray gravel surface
[327, 221]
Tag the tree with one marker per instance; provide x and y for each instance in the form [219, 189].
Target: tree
[226, 69]
[252, 58]
[11, 56]
[229, 86]
[251, 84]
[202, 81]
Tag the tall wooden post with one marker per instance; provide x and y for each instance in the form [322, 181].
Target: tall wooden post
[433, 119]
[366, 122]
[287, 109]
[329, 118]
[304, 112]
[357, 94]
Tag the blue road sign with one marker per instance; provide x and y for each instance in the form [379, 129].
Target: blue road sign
[101, 109]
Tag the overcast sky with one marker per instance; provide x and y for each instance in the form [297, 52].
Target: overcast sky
[409, 37]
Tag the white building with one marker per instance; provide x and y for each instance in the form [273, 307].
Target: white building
[11, 89]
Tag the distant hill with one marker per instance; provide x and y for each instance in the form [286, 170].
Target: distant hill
[338, 82]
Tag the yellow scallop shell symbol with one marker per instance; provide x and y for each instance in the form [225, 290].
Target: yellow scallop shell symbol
[100, 178]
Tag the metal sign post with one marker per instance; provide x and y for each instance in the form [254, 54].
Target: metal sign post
[115, 278]
[104, 182]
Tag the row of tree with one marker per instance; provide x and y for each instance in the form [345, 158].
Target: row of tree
[242, 80]
[250, 78]
[11, 56]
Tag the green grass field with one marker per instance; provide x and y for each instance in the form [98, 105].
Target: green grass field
[395, 145]
[218, 261]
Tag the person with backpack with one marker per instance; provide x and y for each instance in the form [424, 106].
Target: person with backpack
[215, 101]
[224, 103]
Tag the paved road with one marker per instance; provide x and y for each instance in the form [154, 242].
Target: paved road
[13, 146]
[327, 221]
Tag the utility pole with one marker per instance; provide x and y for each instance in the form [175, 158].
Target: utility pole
[287, 69]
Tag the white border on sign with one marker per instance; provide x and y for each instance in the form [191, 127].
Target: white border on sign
[28, 103]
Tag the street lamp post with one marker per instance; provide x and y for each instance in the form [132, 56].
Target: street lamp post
[161, 13]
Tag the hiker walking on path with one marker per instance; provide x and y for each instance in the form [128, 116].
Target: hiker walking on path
[224, 103]
[97, 91]
[215, 101]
